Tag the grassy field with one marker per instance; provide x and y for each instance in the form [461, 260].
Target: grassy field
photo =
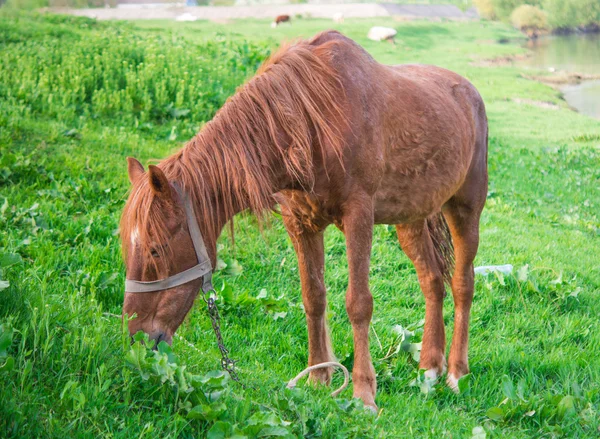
[77, 97]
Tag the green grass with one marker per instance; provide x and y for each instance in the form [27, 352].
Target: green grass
[535, 336]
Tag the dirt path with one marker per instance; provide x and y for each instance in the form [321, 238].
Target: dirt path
[351, 10]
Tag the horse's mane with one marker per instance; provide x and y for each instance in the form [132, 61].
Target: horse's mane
[284, 119]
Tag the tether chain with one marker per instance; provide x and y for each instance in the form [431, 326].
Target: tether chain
[226, 363]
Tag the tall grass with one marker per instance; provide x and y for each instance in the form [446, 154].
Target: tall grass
[117, 74]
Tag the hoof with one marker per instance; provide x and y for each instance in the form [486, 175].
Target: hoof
[372, 409]
[435, 370]
[452, 382]
[431, 374]
[368, 401]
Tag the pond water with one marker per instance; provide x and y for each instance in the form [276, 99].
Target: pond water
[571, 53]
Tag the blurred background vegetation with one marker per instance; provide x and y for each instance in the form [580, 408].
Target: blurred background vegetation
[526, 15]
[558, 15]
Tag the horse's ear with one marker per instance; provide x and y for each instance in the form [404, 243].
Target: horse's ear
[134, 169]
[158, 181]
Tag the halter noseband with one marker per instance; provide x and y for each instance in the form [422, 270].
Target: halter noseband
[203, 269]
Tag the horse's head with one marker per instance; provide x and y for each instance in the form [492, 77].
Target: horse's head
[157, 245]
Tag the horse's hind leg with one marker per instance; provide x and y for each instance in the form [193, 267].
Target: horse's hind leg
[309, 249]
[416, 242]
[462, 213]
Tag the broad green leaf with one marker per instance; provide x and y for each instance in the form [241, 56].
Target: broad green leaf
[8, 365]
[566, 407]
[226, 293]
[464, 384]
[261, 418]
[203, 412]
[214, 396]
[207, 412]
[495, 413]
[508, 388]
[164, 349]
[163, 368]
[349, 404]
[141, 336]
[8, 259]
[215, 379]
[136, 357]
[277, 431]
[414, 349]
[220, 430]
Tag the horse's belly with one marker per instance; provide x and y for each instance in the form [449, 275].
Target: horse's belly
[401, 205]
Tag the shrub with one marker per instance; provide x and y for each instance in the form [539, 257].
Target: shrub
[486, 9]
[527, 17]
[504, 8]
[572, 13]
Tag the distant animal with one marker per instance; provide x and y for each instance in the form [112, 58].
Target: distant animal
[281, 19]
[380, 33]
[335, 138]
[338, 17]
[186, 16]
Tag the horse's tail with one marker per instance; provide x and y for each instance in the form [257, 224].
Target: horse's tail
[442, 244]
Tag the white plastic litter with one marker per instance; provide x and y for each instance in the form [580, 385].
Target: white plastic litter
[380, 33]
[487, 269]
[186, 17]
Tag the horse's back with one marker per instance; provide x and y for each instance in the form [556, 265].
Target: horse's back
[440, 85]
[435, 132]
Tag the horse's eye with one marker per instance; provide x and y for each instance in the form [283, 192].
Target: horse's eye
[154, 253]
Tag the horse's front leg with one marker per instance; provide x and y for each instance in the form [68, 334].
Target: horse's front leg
[357, 225]
[311, 261]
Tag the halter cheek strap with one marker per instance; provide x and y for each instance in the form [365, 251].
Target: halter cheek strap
[201, 270]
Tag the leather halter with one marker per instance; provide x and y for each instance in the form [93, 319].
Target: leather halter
[203, 269]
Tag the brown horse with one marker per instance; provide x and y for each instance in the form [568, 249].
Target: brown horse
[335, 138]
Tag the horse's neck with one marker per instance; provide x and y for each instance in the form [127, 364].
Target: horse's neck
[234, 177]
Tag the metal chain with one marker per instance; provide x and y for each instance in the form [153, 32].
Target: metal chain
[226, 363]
